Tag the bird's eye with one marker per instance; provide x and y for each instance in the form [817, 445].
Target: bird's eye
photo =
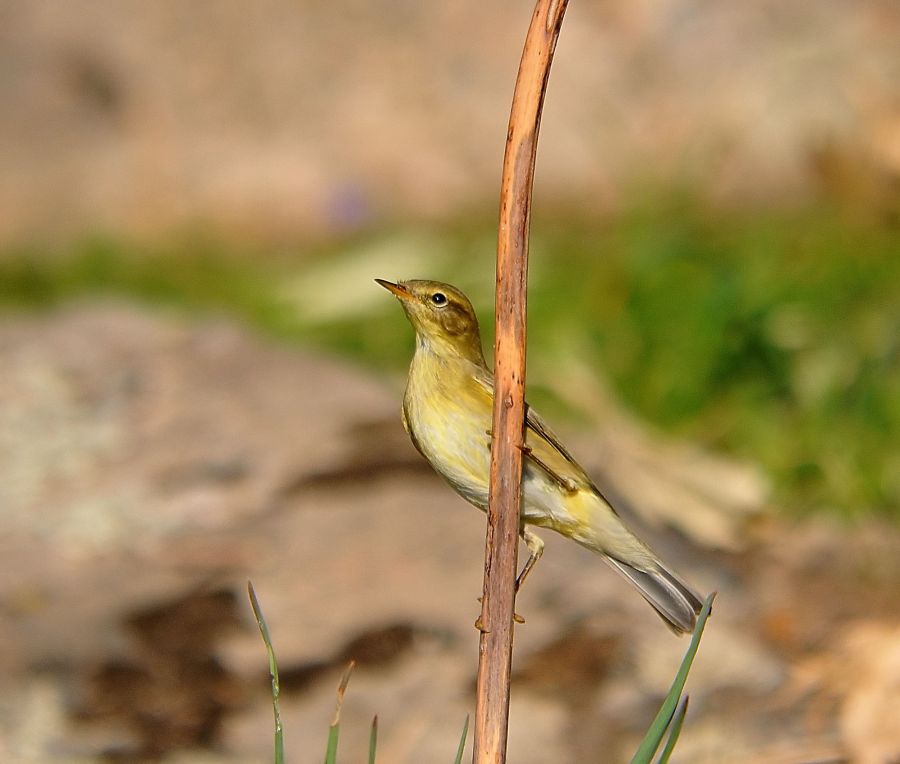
[439, 298]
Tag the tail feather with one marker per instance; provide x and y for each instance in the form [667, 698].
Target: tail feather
[676, 603]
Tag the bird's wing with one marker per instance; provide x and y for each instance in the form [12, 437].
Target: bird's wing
[544, 449]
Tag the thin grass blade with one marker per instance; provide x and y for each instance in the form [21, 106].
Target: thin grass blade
[273, 672]
[674, 730]
[373, 739]
[652, 740]
[462, 742]
[331, 748]
[334, 729]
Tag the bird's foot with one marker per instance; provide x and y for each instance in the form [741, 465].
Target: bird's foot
[479, 624]
[566, 483]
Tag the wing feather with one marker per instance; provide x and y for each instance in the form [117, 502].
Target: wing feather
[546, 450]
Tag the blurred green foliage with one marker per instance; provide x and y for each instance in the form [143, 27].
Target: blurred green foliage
[771, 335]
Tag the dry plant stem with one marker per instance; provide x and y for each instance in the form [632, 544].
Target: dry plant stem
[496, 621]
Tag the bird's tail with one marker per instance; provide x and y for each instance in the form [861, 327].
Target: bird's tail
[603, 531]
[677, 604]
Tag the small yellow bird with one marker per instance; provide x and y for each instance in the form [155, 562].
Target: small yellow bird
[447, 411]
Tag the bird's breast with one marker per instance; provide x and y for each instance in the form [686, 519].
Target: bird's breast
[449, 419]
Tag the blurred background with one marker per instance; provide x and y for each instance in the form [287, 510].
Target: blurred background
[200, 384]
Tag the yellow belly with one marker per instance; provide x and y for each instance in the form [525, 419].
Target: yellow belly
[450, 424]
[452, 432]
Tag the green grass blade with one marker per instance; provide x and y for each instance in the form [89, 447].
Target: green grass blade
[462, 742]
[333, 730]
[674, 730]
[373, 739]
[331, 749]
[651, 742]
[273, 672]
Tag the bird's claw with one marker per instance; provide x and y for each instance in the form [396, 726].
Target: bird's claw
[479, 624]
[566, 483]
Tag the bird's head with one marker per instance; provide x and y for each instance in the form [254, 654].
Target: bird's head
[442, 316]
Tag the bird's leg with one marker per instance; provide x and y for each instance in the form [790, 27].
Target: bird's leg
[567, 484]
[535, 546]
[534, 543]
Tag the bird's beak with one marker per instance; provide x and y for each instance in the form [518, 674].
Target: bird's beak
[398, 290]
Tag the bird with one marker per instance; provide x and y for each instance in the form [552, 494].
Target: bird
[447, 412]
